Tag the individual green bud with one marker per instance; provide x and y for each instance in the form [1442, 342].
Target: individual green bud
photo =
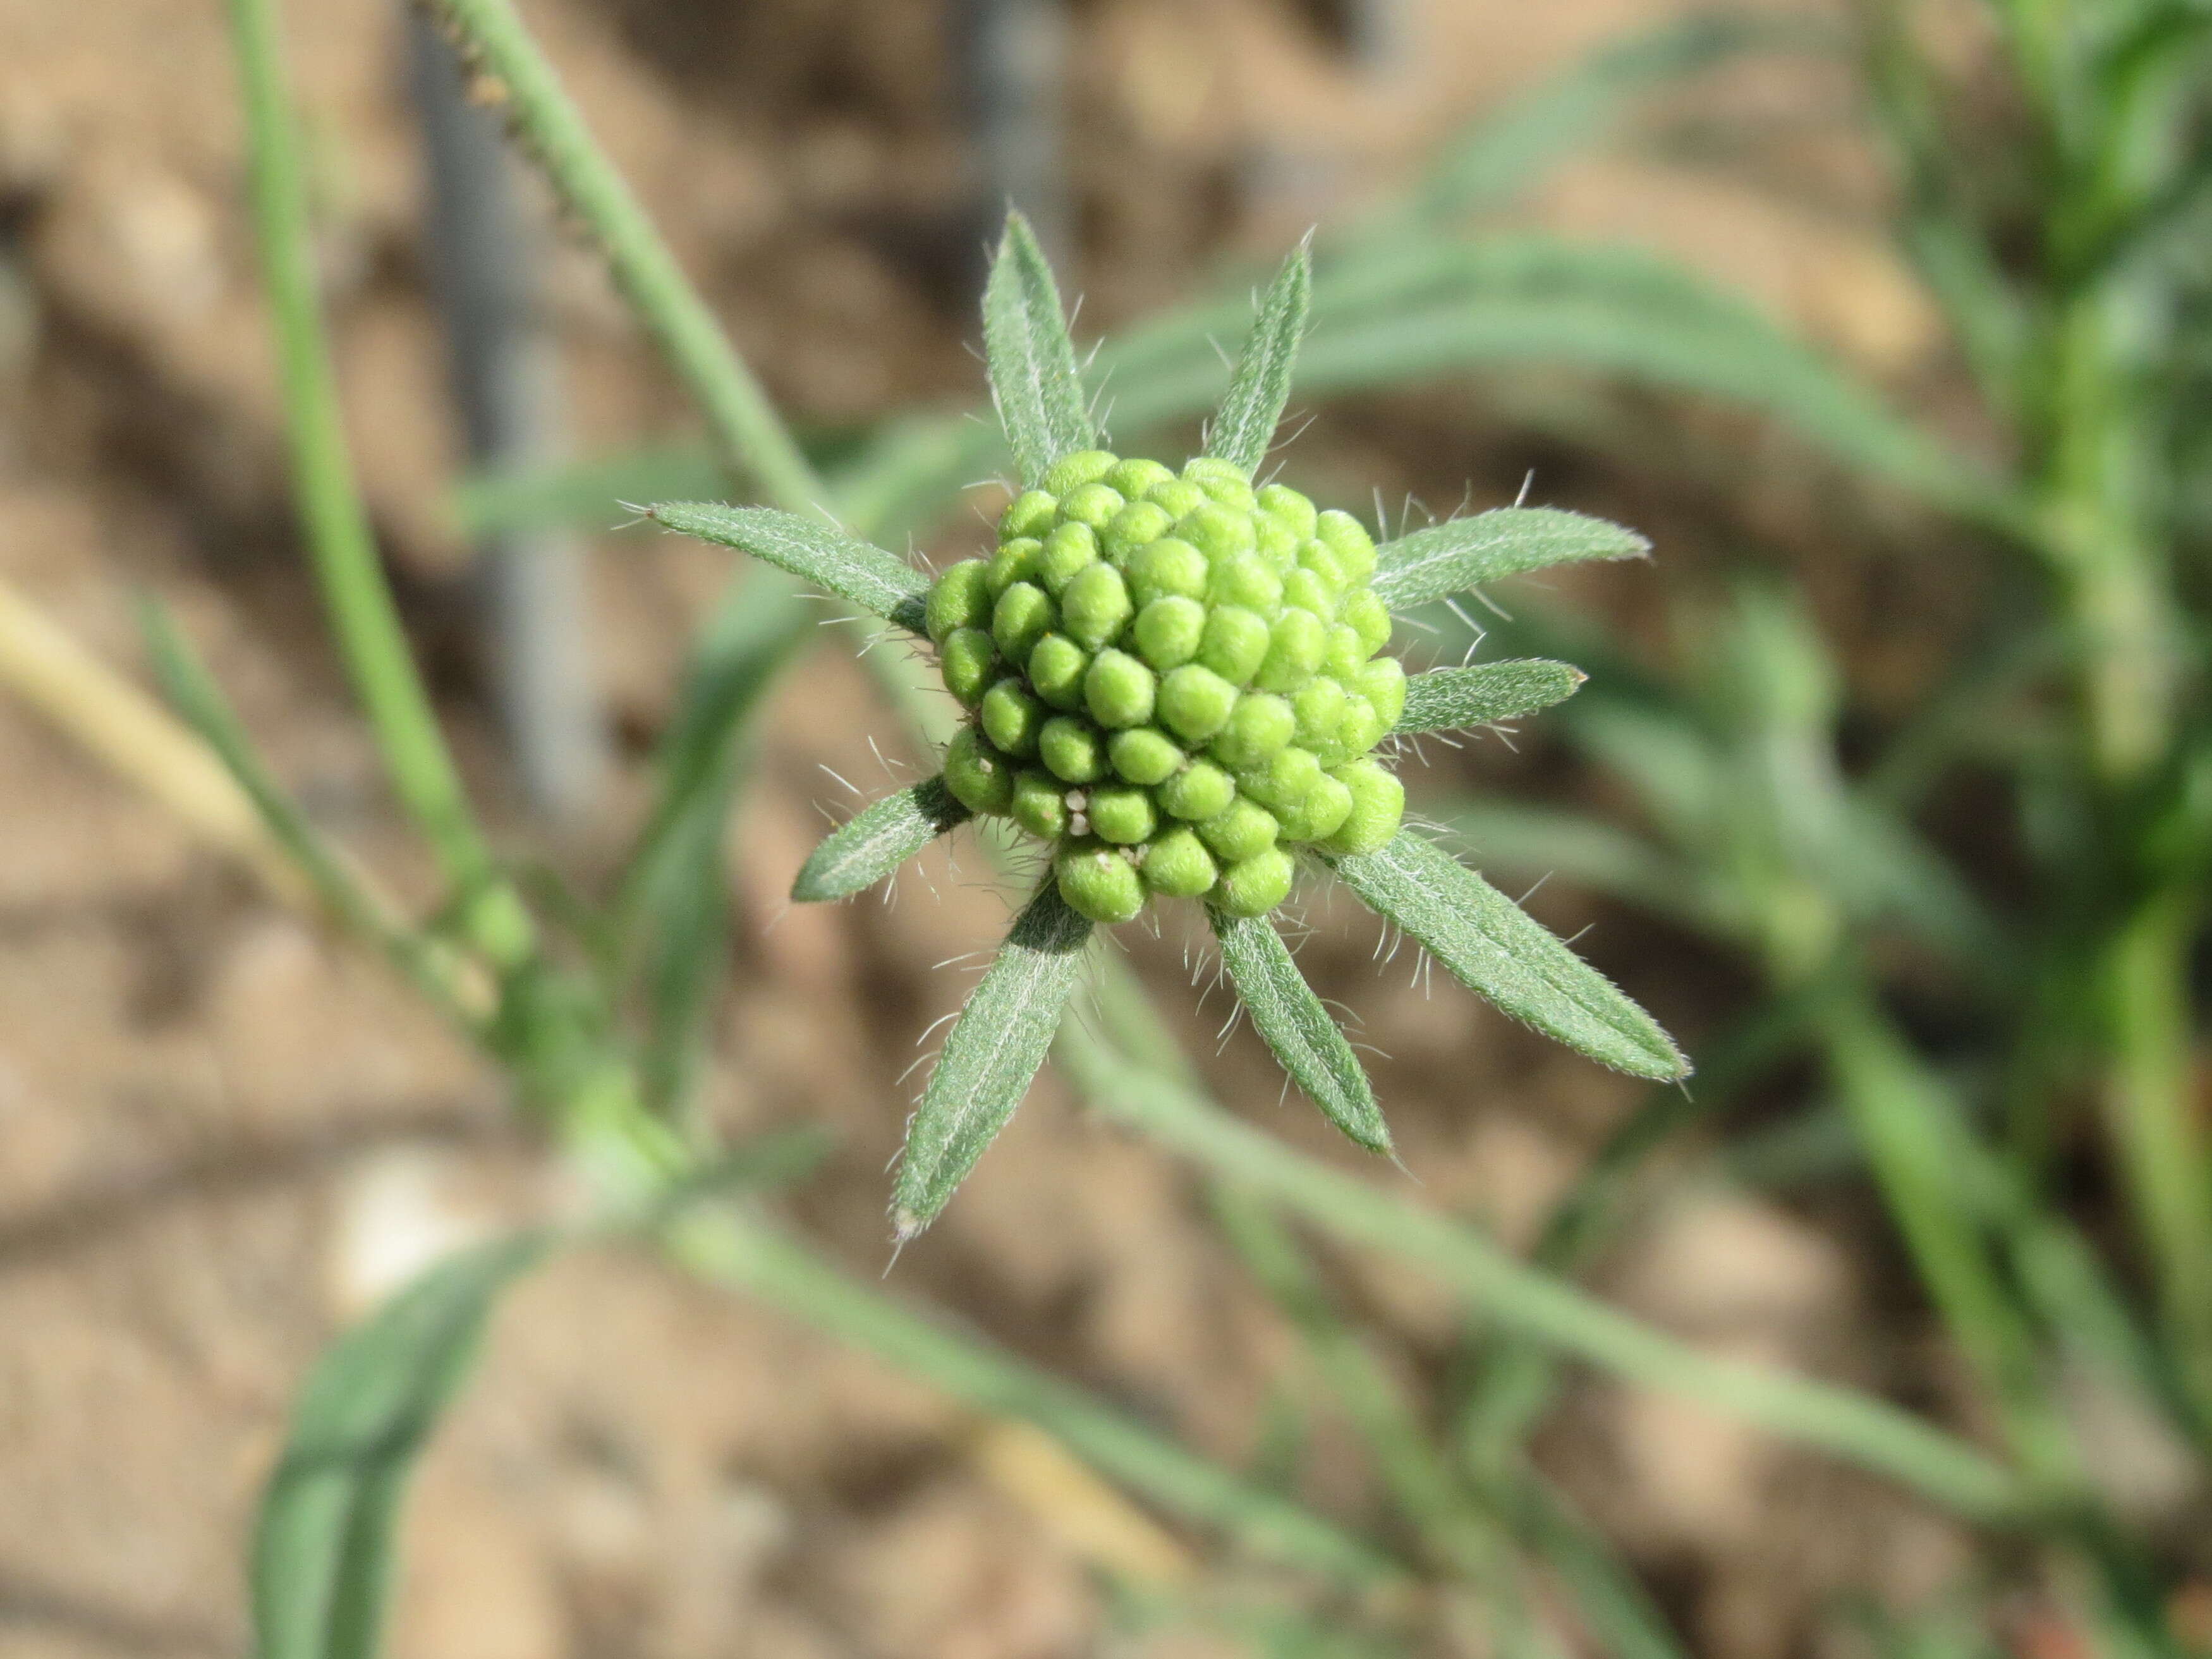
[1287, 506]
[1166, 567]
[1019, 561]
[1348, 540]
[1314, 555]
[970, 661]
[1091, 504]
[1119, 690]
[1365, 611]
[1133, 476]
[1144, 755]
[1168, 631]
[1225, 481]
[1235, 643]
[1067, 551]
[1176, 864]
[1345, 656]
[1056, 667]
[1081, 468]
[1138, 524]
[1095, 606]
[1379, 807]
[1276, 545]
[1317, 816]
[980, 777]
[958, 598]
[1296, 642]
[1029, 514]
[1012, 717]
[1022, 617]
[1258, 726]
[1307, 590]
[1097, 881]
[1177, 495]
[1215, 530]
[1244, 580]
[1362, 728]
[1382, 683]
[1199, 791]
[1122, 813]
[1319, 705]
[1253, 886]
[1195, 702]
[1040, 804]
[1282, 783]
[1243, 831]
[1071, 750]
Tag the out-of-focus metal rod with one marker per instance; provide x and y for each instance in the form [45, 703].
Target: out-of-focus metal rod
[1012, 57]
[504, 372]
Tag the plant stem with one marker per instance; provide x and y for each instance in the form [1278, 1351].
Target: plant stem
[339, 541]
[1860, 1429]
[745, 426]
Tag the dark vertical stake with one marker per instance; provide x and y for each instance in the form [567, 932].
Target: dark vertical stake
[506, 380]
[1012, 64]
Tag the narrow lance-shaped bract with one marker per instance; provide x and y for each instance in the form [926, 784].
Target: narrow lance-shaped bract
[1180, 683]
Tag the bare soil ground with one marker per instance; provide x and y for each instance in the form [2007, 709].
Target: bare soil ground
[221, 1137]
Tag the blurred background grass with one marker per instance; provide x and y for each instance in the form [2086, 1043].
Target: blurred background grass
[1873, 797]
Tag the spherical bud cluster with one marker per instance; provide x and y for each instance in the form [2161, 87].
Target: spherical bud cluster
[1174, 680]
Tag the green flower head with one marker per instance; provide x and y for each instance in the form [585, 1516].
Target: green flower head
[1177, 682]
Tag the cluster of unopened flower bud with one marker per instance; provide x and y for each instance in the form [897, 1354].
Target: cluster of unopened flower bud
[1174, 680]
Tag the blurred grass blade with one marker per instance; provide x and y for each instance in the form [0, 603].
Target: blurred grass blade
[1532, 842]
[1462, 553]
[991, 1055]
[877, 842]
[1253, 408]
[1286, 1012]
[1446, 699]
[1493, 948]
[1032, 360]
[323, 1547]
[341, 889]
[588, 494]
[837, 564]
[1506, 153]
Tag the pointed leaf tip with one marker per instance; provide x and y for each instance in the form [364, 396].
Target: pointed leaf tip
[1459, 554]
[1495, 949]
[1031, 358]
[878, 582]
[878, 841]
[1448, 699]
[991, 1055]
[1298, 1030]
[1254, 407]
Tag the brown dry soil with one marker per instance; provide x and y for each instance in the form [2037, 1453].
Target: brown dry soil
[222, 1136]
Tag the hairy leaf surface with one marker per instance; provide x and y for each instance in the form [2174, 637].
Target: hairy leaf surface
[1031, 358]
[878, 841]
[1290, 1017]
[1459, 554]
[1253, 408]
[1446, 699]
[991, 1055]
[1489, 945]
[844, 565]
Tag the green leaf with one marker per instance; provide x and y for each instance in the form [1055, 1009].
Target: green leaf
[1446, 699]
[878, 841]
[1489, 945]
[852, 569]
[1253, 408]
[1286, 1012]
[1032, 360]
[322, 1545]
[991, 1055]
[1462, 553]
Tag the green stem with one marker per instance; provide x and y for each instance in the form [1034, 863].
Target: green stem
[339, 539]
[728, 1248]
[1860, 1429]
[745, 424]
